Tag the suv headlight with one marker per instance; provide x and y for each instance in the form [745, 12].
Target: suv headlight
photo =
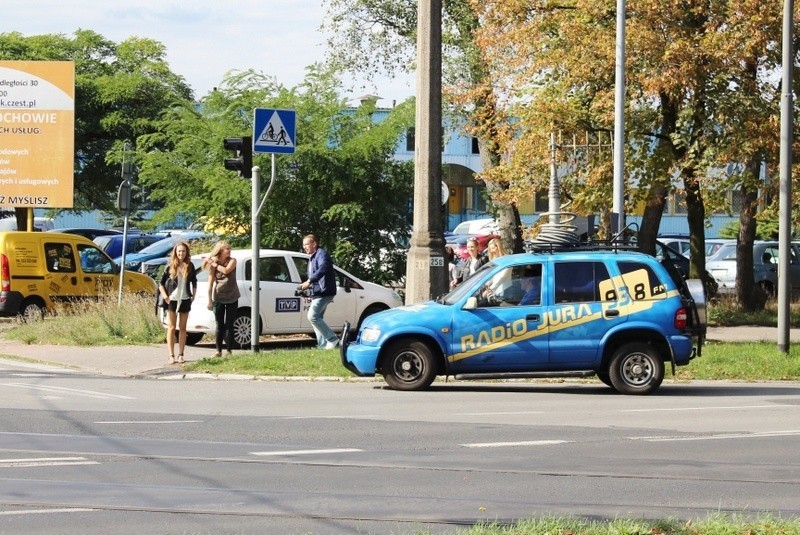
[370, 334]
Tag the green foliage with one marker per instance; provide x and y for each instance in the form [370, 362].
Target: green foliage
[341, 183]
[121, 89]
[716, 524]
[96, 323]
[767, 225]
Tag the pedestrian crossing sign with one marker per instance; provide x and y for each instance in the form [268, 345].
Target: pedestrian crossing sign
[274, 131]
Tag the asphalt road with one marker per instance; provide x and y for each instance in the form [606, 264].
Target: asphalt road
[84, 452]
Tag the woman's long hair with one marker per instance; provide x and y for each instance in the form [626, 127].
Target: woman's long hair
[175, 264]
[214, 255]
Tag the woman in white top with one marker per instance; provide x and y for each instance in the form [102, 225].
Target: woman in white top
[178, 287]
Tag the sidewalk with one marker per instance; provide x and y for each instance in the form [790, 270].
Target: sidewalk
[151, 361]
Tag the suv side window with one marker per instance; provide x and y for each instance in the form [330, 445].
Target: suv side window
[512, 286]
[578, 282]
[60, 257]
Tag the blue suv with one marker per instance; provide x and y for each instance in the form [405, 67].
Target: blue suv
[613, 313]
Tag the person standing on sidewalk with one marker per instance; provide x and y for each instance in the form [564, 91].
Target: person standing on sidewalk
[322, 281]
[177, 287]
[223, 293]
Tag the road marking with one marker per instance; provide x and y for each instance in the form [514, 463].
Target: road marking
[506, 413]
[303, 452]
[739, 407]
[718, 437]
[45, 461]
[515, 444]
[46, 511]
[85, 393]
[127, 422]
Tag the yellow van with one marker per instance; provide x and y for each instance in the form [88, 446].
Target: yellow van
[40, 269]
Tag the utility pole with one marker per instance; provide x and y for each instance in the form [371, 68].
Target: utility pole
[426, 272]
[785, 200]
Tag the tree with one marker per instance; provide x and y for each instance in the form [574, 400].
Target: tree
[121, 89]
[341, 183]
[373, 36]
[701, 94]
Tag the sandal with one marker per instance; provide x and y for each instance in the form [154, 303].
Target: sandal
[180, 360]
[171, 359]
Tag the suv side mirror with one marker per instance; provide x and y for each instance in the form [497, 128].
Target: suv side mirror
[471, 304]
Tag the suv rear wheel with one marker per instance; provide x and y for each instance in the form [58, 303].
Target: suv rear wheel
[636, 368]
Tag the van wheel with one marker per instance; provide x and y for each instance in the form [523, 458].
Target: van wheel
[31, 309]
[241, 329]
[636, 368]
[408, 365]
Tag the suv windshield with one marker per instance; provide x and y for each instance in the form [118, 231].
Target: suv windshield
[467, 286]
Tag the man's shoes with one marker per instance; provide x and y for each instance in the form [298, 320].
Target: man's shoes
[332, 345]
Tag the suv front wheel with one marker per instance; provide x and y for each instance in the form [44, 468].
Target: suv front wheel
[408, 365]
[636, 368]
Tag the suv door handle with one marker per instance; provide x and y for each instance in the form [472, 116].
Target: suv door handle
[612, 313]
[532, 317]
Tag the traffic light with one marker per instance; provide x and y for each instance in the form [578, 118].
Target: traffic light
[243, 163]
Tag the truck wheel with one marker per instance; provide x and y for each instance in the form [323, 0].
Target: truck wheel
[636, 368]
[31, 309]
[408, 365]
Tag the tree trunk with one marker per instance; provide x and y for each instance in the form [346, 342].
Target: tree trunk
[651, 218]
[749, 296]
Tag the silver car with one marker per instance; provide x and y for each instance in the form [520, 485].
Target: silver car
[765, 267]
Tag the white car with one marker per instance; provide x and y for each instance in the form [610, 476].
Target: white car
[281, 311]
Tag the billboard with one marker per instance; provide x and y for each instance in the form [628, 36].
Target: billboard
[37, 133]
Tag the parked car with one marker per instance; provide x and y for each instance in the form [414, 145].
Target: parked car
[612, 313]
[765, 267]
[282, 310]
[676, 241]
[89, 233]
[713, 245]
[159, 249]
[477, 226]
[112, 244]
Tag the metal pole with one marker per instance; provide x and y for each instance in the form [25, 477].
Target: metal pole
[785, 201]
[554, 194]
[618, 207]
[126, 190]
[255, 272]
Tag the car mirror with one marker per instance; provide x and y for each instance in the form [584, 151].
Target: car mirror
[471, 304]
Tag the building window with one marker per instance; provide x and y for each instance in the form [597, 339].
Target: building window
[410, 139]
[475, 148]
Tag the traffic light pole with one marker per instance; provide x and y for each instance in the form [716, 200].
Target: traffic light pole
[255, 272]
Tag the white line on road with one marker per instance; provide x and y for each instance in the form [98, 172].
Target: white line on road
[673, 409]
[73, 391]
[45, 461]
[46, 511]
[126, 422]
[506, 413]
[515, 444]
[304, 452]
[719, 437]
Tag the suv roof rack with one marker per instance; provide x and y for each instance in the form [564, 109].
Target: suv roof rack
[595, 245]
